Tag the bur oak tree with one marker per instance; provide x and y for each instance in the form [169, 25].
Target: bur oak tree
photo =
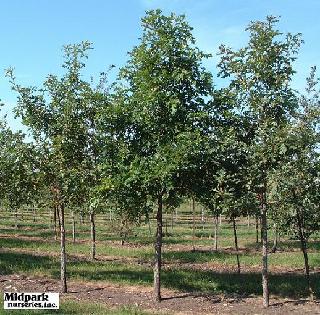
[166, 87]
[260, 74]
[295, 185]
[59, 115]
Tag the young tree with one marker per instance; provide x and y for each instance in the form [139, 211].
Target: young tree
[59, 115]
[260, 75]
[167, 87]
[295, 190]
[18, 173]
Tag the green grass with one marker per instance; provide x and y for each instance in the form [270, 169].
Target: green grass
[134, 264]
[293, 259]
[183, 279]
[49, 246]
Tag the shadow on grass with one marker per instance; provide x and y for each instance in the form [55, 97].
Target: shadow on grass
[288, 245]
[186, 280]
[17, 262]
[201, 256]
[312, 245]
[25, 224]
[17, 242]
[185, 240]
[34, 233]
[208, 282]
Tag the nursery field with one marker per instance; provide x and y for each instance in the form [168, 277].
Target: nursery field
[176, 181]
[196, 279]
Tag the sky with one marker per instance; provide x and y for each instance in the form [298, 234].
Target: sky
[33, 32]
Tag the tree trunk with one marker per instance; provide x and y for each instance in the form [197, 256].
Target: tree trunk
[275, 239]
[158, 246]
[202, 218]
[51, 218]
[58, 216]
[63, 250]
[215, 224]
[303, 243]
[81, 217]
[149, 225]
[257, 229]
[55, 222]
[93, 236]
[248, 220]
[261, 230]
[236, 243]
[34, 214]
[16, 218]
[193, 223]
[172, 220]
[264, 234]
[73, 228]
[166, 220]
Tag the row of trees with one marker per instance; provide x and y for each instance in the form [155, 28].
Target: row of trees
[162, 132]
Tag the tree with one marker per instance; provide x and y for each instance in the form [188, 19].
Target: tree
[166, 88]
[60, 115]
[18, 172]
[260, 75]
[295, 190]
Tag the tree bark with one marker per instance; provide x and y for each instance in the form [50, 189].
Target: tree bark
[202, 218]
[81, 217]
[215, 224]
[257, 229]
[158, 247]
[172, 220]
[34, 214]
[16, 218]
[73, 228]
[63, 259]
[236, 243]
[58, 216]
[93, 236]
[264, 235]
[275, 239]
[51, 218]
[261, 231]
[55, 222]
[166, 220]
[303, 243]
[193, 223]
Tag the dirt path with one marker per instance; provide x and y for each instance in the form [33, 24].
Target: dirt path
[173, 303]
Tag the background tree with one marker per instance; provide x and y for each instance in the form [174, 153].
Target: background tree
[260, 75]
[295, 190]
[18, 169]
[60, 115]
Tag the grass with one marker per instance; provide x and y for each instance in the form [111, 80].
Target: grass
[293, 259]
[133, 263]
[183, 279]
[70, 307]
